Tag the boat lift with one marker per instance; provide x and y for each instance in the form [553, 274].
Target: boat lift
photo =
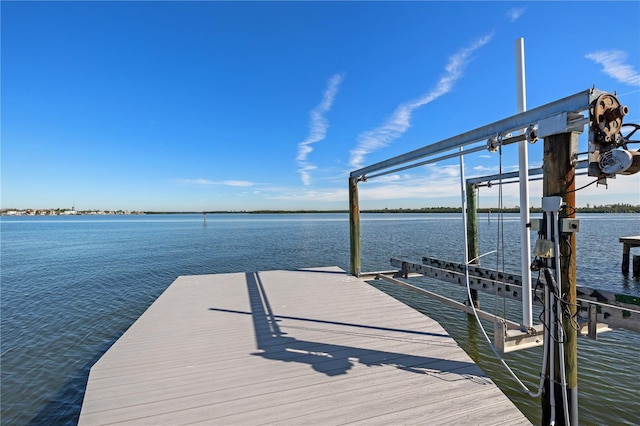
[558, 124]
[608, 156]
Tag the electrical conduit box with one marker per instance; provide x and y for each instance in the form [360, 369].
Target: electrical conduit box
[569, 225]
[543, 248]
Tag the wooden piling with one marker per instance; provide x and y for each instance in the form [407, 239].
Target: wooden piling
[472, 235]
[354, 228]
[627, 244]
[626, 252]
[559, 180]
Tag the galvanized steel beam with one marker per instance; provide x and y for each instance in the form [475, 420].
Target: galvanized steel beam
[449, 302]
[481, 279]
[614, 310]
[574, 103]
[582, 164]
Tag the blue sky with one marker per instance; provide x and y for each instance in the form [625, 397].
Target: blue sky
[192, 106]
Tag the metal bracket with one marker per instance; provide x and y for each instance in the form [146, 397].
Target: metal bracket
[493, 143]
[535, 224]
[506, 340]
[562, 123]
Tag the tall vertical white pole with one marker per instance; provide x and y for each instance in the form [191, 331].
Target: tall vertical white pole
[523, 162]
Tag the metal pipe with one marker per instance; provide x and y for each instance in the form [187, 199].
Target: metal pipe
[516, 181]
[552, 332]
[582, 164]
[523, 162]
[430, 161]
[563, 374]
[449, 302]
[574, 103]
[545, 343]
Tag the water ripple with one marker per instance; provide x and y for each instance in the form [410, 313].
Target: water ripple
[72, 286]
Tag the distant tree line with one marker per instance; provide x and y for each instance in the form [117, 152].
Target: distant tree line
[608, 208]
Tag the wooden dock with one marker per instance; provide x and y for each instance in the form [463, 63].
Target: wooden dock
[314, 346]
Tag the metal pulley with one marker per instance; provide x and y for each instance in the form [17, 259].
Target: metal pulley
[606, 158]
[606, 118]
[493, 144]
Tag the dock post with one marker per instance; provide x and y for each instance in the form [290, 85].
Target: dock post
[560, 152]
[354, 227]
[626, 253]
[472, 235]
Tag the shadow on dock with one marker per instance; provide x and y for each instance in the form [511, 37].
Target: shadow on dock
[333, 359]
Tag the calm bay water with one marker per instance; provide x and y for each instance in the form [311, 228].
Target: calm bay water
[72, 285]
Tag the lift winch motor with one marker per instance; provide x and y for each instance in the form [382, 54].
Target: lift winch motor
[609, 154]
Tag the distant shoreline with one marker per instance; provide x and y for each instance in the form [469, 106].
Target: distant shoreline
[614, 208]
[596, 209]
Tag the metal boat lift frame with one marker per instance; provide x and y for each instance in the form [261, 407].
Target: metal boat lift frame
[558, 123]
[552, 113]
[556, 112]
[572, 104]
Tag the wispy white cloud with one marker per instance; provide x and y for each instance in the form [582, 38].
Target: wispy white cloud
[438, 185]
[515, 13]
[324, 195]
[237, 183]
[485, 169]
[449, 170]
[495, 169]
[391, 178]
[613, 65]
[201, 181]
[399, 122]
[198, 181]
[318, 126]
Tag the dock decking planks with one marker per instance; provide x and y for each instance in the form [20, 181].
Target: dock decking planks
[288, 347]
